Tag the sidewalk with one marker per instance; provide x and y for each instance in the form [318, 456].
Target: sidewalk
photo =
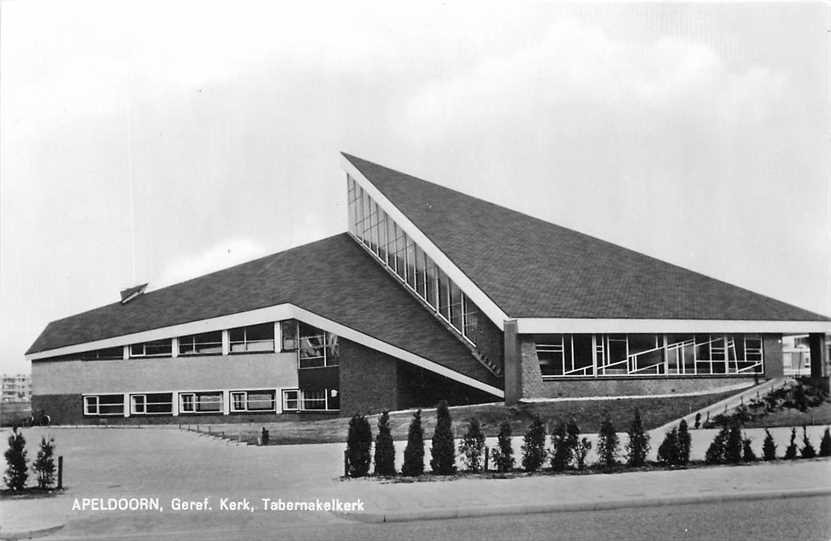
[475, 497]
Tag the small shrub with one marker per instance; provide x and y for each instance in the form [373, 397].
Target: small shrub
[807, 450]
[684, 444]
[17, 471]
[472, 446]
[581, 451]
[769, 446]
[733, 446]
[790, 452]
[44, 464]
[825, 444]
[716, 452]
[747, 451]
[533, 446]
[607, 444]
[443, 449]
[637, 447]
[503, 455]
[800, 400]
[560, 448]
[414, 452]
[697, 424]
[358, 444]
[668, 452]
[384, 447]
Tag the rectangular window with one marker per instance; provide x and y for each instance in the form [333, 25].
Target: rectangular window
[367, 223]
[456, 306]
[248, 401]
[313, 400]
[105, 404]
[256, 338]
[203, 402]
[350, 200]
[317, 348]
[431, 283]
[288, 330]
[400, 253]
[410, 263]
[156, 348]
[382, 235]
[209, 343]
[443, 303]
[291, 400]
[137, 404]
[186, 403]
[109, 354]
[472, 318]
[391, 243]
[420, 271]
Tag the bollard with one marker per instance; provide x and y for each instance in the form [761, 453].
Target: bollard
[60, 472]
[487, 455]
[345, 463]
[264, 436]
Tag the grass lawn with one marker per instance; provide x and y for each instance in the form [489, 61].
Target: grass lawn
[588, 413]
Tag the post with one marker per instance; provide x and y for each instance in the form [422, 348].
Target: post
[487, 455]
[60, 472]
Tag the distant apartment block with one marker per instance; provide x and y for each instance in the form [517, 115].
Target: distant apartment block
[16, 388]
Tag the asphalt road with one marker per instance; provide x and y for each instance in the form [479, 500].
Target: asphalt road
[796, 518]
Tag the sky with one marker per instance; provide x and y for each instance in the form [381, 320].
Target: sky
[157, 141]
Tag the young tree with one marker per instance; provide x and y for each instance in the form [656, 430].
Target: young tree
[414, 452]
[668, 452]
[472, 446]
[384, 447]
[747, 451]
[684, 444]
[790, 452]
[697, 424]
[807, 450]
[825, 444]
[443, 449]
[533, 446]
[560, 450]
[44, 464]
[607, 444]
[733, 447]
[769, 446]
[503, 454]
[637, 447]
[17, 470]
[718, 448]
[358, 444]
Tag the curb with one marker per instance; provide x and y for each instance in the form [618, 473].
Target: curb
[11, 535]
[524, 509]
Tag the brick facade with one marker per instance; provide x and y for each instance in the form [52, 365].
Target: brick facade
[368, 380]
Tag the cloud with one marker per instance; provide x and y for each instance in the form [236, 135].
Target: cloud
[579, 64]
[222, 255]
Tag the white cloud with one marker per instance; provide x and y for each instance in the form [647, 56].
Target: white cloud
[579, 64]
[222, 255]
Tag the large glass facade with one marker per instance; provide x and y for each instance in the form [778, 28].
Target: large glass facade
[597, 355]
[397, 251]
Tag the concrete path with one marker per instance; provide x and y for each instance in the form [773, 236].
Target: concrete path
[165, 464]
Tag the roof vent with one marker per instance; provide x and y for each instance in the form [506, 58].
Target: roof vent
[132, 292]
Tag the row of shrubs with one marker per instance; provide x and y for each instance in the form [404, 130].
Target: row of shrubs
[567, 450]
[800, 395]
[17, 467]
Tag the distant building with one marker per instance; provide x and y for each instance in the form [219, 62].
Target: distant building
[431, 294]
[16, 388]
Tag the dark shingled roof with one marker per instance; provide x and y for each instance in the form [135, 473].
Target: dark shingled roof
[533, 268]
[334, 278]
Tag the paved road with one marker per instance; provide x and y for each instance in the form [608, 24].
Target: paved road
[797, 518]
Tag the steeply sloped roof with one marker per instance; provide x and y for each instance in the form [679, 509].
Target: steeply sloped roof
[533, 268]
[333, 278]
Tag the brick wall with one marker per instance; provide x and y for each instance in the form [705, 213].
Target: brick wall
[632, 386]
[368, 380]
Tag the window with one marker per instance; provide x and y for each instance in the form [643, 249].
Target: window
[288, 331]
[151, 403]
[246, 401]
[156, 348]
[252, 339]
[410, 263]
[420, 270]
[209, 343]
[317, 348]
[313, 400]
[203, 402]
[106, 404]
[456, 306]
[109, 354]
[649, 354]
[291, 399]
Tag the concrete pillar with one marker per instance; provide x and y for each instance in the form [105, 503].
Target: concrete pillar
[772, 351]
[513, 363]
[819, 355]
